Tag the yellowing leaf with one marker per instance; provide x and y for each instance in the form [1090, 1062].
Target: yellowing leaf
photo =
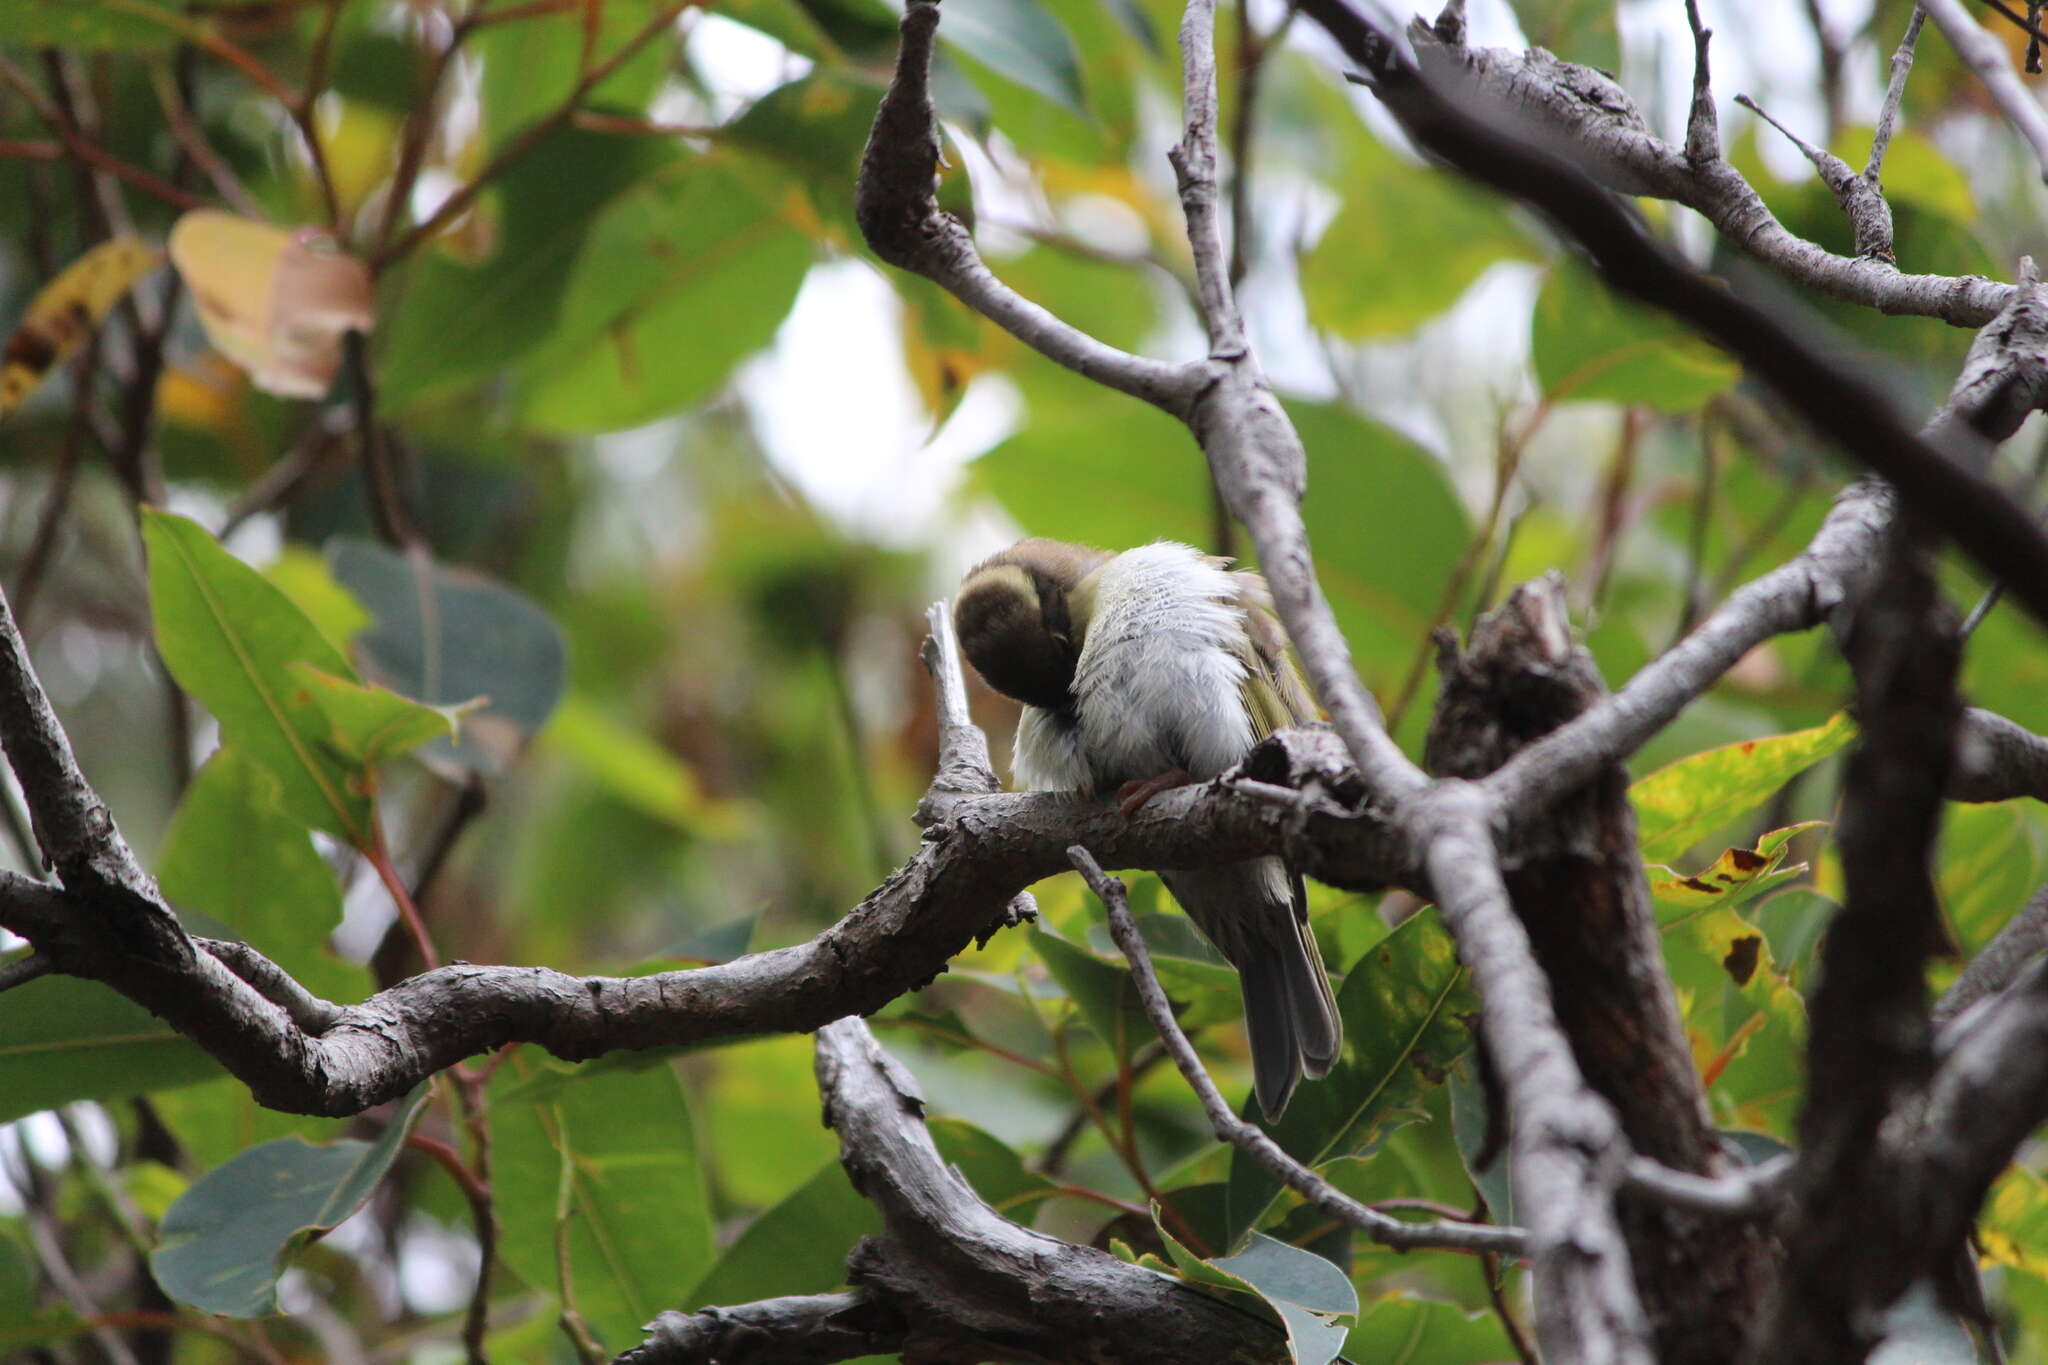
[1738, 875]
[65, 312]
[1684, 802]
[275, 302]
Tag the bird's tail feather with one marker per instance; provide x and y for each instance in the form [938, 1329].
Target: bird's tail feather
[1253, 913]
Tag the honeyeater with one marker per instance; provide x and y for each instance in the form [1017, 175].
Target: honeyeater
[1145, 670]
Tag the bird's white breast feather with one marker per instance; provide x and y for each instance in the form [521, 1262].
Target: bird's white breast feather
[1160, 678]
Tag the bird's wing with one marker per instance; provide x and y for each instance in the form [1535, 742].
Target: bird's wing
[1274, 694]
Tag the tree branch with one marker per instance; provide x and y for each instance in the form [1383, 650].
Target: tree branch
[1587, 118]
[951, 1279]
[803, 1329]
[1382, 1228]
[1855, 1242]
[1986, 56]
[903, 224]
[1567, 1150]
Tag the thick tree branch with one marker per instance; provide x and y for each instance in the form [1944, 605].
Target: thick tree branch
[1567, 1150]
[1997, 760]
[1574, 872]
[1999, 962]
[1750, 1192]
[972, 1285]
[72, 825]
[1856, 1240]
[803, 1329]
[967, 879]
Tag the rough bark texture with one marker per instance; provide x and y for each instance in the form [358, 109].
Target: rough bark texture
[1861, 1233]
[1576, 880]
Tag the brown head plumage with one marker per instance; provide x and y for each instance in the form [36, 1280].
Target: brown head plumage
[1020, 618]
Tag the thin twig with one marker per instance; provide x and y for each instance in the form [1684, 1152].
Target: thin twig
[185, 128]
[535, 133]
[1894, 96]
[1389, 1231]
[1752, 1192]
[90, 153]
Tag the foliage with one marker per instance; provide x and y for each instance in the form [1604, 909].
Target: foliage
[543, 602]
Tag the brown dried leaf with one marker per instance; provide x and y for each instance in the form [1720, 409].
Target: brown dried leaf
[274, 301]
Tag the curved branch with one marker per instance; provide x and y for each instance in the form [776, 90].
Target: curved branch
[901, 219]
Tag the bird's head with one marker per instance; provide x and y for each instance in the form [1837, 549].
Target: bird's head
[1021, 615]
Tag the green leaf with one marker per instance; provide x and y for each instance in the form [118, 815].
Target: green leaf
[231, 853]
[1738, 876]
[1104, 992]
[1304, 1292]
[637, 770]
[229, 637]
[816, 129]
[1385, 587]
[227, 1239]
[1400, 1005]
[1590, 345]
[456, 323]
[718, 944]
[448, 636]
[370, 725]
[63, 1038]
[303, 576]
[1470, 1118]
[1401, 1328]
[992, 1168]
[639, 1223]
[797, 1247]
[1683, 803]
[81, 25]
[530, 67]
[681, 279]
[1394, 209]
[1990, 858]
[1286, 1273]
[1019, 40]
[1582, 31]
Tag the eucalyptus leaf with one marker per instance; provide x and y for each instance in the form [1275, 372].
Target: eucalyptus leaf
[227, 1239]
[63, 1038]
[230, 638]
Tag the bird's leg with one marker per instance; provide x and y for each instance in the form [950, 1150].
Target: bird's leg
[1132, 796]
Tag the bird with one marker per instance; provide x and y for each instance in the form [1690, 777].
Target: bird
[1149, 669]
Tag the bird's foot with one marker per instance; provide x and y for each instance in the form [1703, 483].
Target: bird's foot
[1132, 796]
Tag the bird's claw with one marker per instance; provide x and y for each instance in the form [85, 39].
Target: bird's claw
[1132, 796]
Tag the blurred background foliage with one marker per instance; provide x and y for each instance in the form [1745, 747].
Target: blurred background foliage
[677, 470]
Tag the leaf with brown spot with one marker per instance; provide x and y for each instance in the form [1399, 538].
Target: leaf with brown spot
[1738, 875]
[1742, 957]
[1687, 801]
[65, 312]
